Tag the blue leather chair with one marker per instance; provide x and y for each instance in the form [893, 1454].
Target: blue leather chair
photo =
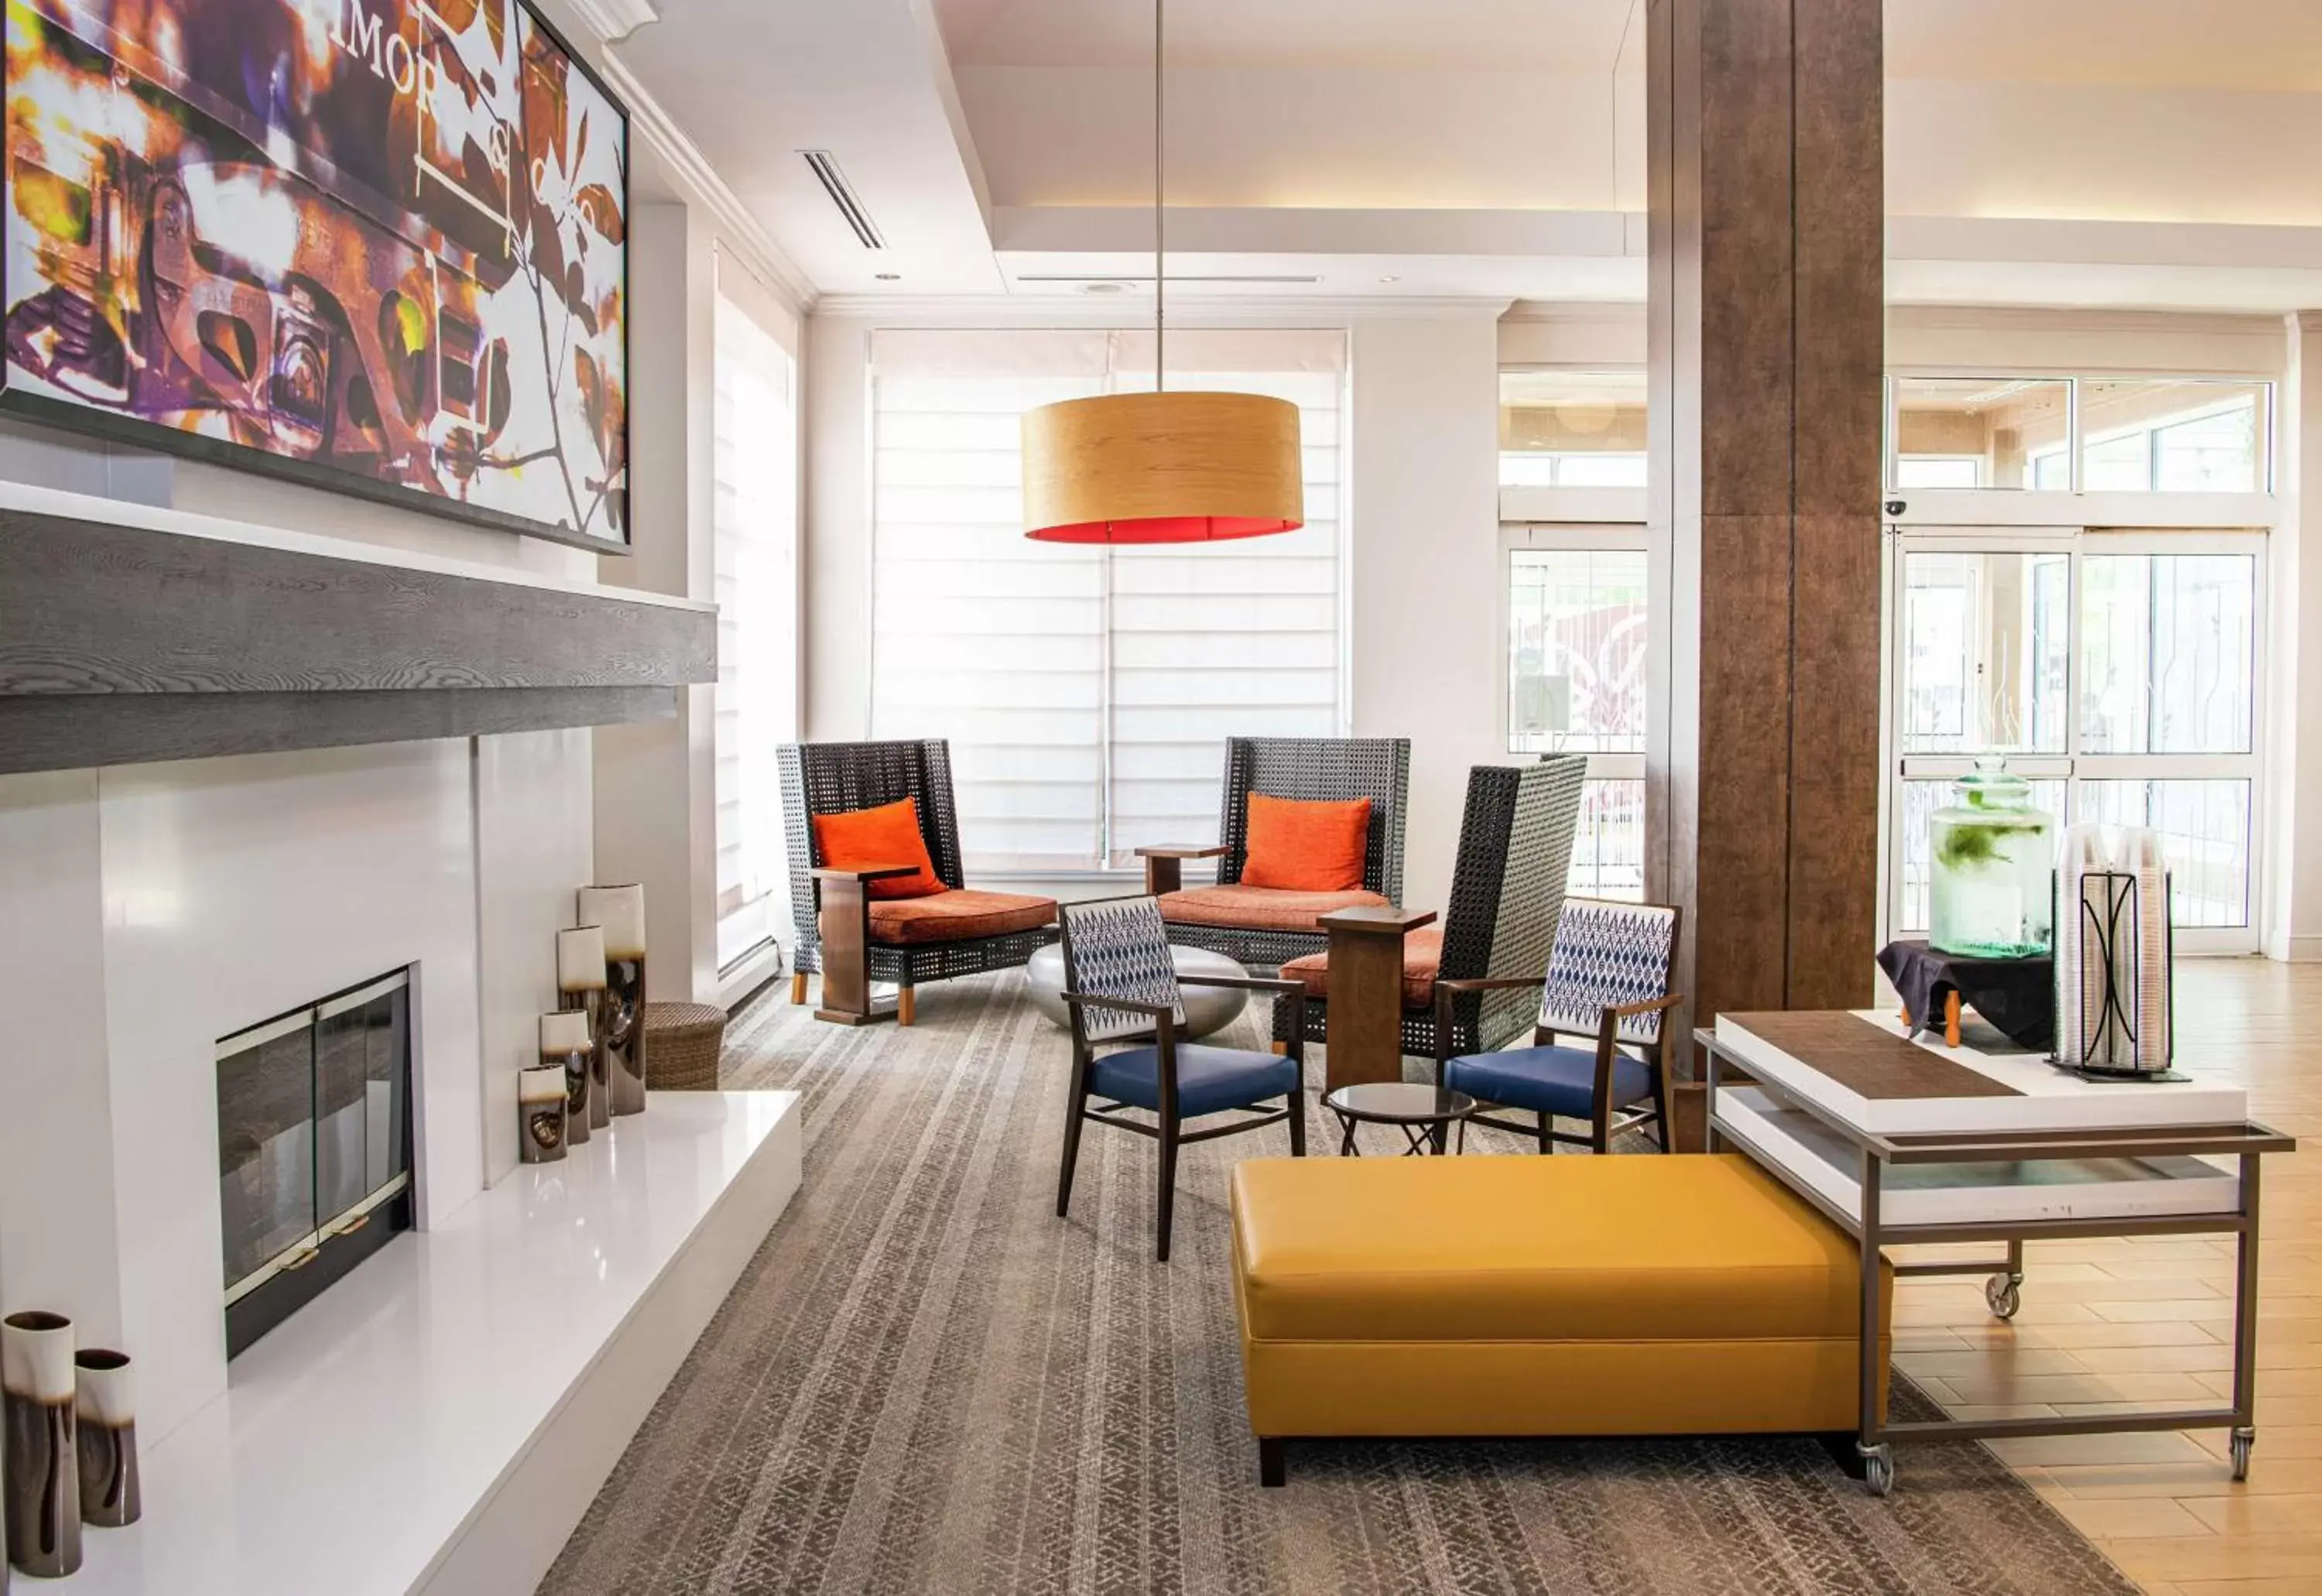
[1121, 985]
[1608, 977]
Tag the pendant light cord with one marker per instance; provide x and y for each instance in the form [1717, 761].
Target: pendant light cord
[1159, 233]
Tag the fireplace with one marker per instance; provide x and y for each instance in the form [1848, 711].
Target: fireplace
[314, 1149]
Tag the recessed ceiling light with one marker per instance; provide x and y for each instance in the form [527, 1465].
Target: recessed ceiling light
[891, 277]
[1390, 280]
[1104, 287]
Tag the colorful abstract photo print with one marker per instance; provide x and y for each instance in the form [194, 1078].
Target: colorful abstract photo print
[379, 245]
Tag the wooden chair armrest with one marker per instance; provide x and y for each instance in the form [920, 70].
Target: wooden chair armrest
[1498, 983]
[874, 872]
[1655, 1006]
[1179, 851]
[1247, 983]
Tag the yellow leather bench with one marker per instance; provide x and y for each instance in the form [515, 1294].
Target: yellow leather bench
[1527, 1296]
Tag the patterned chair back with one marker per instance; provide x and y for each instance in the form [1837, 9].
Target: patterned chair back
[1118, 947]
[1320, 769]
[1608, 955]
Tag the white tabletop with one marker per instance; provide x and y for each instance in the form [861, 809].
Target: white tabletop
[2043, 1099]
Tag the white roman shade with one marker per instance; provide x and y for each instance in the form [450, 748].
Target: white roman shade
[1087, 690]
[756, 538]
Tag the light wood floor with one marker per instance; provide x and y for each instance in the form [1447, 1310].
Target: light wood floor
[2110, 1322]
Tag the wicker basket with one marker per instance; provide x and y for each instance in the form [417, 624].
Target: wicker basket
[681, 1045]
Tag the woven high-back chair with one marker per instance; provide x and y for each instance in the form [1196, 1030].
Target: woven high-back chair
[1507, 888]
[1311, 769]
[834, 778]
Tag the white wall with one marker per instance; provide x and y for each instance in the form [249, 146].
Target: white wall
[50, 457]
[656, 811]
[535, 808]
[2293, 905]
[837, 528]
[1425, 516]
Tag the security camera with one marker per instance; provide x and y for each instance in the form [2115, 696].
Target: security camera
[1896, 506]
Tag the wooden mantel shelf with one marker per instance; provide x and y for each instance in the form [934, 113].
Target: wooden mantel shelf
[130, 633]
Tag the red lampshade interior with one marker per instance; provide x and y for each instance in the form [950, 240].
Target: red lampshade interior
[1164, 529]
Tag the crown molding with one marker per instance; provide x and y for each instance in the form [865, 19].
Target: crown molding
[752, 244]
[605, 22]
[613, 21]
[1220, 310]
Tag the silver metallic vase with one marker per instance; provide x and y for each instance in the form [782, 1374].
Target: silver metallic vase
[620, 911]
[540, 1113]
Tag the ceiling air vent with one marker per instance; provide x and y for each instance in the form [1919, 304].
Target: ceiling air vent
[842, 195]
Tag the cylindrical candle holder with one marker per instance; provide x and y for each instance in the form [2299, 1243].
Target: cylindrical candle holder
[104, 1412]
[564, 1038]
[39, 1471]
[580, 970]
[621, 1036]
[540, 1112]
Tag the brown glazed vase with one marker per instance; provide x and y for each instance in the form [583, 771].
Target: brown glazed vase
[39, 1472]
[104, 1410]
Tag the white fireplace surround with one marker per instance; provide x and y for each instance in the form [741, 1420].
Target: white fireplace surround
[153, 909]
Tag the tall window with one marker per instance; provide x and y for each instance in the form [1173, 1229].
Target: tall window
[756, 537]
[1577, 684]
[1087, 691]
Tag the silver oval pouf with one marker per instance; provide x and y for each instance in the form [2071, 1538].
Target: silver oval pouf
[1208, 1009]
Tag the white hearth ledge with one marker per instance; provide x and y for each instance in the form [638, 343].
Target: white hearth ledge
[440, 1420]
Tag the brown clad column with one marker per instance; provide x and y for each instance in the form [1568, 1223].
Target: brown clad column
[1765, 245]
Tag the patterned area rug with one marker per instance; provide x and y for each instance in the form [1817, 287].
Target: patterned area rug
[927, 1382]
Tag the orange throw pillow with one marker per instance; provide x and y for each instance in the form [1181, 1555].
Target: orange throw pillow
[888, 833]
[1306, 847]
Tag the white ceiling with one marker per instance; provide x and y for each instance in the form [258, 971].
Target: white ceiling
[2164, 153]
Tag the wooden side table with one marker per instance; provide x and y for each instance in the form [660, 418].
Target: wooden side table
[1164, 867]
[1365, 993]
[845, 920]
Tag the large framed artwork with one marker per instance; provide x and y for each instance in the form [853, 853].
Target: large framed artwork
[375, 245]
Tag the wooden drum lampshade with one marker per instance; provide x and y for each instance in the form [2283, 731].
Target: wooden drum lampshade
[1162, 467]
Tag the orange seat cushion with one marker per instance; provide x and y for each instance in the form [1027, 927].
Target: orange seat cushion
[1297, 846]
[1260, 908]
[957, 916]
[1422, 958]
[886, 834]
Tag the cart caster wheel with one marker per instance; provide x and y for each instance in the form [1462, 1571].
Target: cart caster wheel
[2004, 1293]
[1878, 1468]
[2243, 1439]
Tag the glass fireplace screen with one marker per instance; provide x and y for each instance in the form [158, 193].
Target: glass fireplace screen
[314, 1146]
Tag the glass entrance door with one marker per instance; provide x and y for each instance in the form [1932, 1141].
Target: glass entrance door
[2116, 671]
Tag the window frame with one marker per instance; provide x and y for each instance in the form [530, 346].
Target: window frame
[1579, 537]
[2076, 505]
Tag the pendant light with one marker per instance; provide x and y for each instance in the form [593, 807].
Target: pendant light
[1162, 467]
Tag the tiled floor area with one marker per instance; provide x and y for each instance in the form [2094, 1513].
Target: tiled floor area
[2148, 1321]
